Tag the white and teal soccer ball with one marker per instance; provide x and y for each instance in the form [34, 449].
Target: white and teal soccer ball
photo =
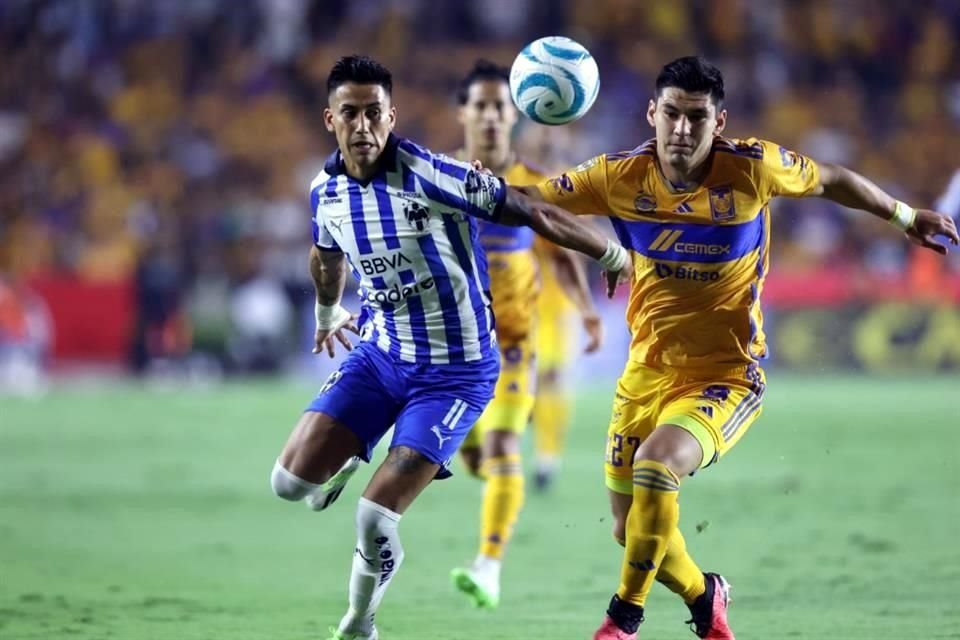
[554, 80]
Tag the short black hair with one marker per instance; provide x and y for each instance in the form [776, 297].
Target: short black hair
[482, 70]
[359, 70]
[694, 75]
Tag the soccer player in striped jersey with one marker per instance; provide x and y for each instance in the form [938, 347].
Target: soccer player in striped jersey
[693, 208]
[404, 221]
[492, 449]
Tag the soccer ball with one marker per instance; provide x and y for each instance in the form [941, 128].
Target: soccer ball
[554, 80]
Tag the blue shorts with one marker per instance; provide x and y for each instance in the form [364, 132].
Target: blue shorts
[433, 406]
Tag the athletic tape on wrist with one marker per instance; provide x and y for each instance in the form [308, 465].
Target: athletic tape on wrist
[330, 317]
[614, 258]
[903, 216]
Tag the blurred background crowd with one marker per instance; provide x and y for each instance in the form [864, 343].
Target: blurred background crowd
[155, 156]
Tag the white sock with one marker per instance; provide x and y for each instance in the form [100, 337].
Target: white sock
[488, 567]
[375, 561]
[547, 464]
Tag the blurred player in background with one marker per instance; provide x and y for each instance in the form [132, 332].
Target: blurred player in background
[25, 339]
[556, 334]
[693, 208]
[492, 449]
[556, 349]
[404, 221]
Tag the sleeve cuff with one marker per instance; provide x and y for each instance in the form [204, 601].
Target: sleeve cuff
[499, 201]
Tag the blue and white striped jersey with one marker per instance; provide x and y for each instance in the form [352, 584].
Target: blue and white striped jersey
[410, 237]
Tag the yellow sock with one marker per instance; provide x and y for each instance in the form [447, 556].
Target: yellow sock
[652, 520]
[502, 501]
[551, 414]
[678, 572]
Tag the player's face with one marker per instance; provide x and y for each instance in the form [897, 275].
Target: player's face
[686, 124]
[362, 117]
[488, 116]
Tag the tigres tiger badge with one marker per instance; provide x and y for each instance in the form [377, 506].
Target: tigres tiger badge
[644, 203]
[721, 204]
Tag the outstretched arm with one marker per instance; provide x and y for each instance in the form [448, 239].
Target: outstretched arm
[328, 269]
[851, 189]
[562, 228]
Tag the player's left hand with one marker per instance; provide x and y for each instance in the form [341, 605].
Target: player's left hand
[593, 326]
[324, 338]
[930, 224]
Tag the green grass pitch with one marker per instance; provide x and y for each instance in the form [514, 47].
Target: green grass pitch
[134, 515]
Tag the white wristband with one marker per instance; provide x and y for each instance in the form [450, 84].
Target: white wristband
[330, 318]
[614, 258]
[903, 216]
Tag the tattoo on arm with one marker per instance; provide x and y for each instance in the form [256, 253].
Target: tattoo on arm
[328, 269]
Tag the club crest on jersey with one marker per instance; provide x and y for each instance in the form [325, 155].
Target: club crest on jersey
[721, 204]
[417, 215]
[644, 203]
[561, 184]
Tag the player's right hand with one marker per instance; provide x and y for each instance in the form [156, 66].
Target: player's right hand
[615, 279]
[325, 337]
[930, 224]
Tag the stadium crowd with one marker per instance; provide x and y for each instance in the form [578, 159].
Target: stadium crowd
[172, 142]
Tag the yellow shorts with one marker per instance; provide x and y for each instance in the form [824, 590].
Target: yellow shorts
[513, 396]
[717, 409]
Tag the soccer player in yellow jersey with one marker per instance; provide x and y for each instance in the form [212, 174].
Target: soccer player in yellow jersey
[492, 449]
[555, 349]
[693, 208]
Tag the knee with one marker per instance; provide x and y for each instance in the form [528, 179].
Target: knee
[286, 485]
[471, 460]
[499, 443]
[672, 447]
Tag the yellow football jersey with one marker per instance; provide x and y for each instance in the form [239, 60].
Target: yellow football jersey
[514, 277]
[553, 298]
[700, 256]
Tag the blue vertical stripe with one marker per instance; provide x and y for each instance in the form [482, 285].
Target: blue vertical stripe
[331, 188]
[389, 324]
[463, 257]
[357, 219]
[446, 295]
[418, 319]
[314, 203]
[409, 182]
[385, 207]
